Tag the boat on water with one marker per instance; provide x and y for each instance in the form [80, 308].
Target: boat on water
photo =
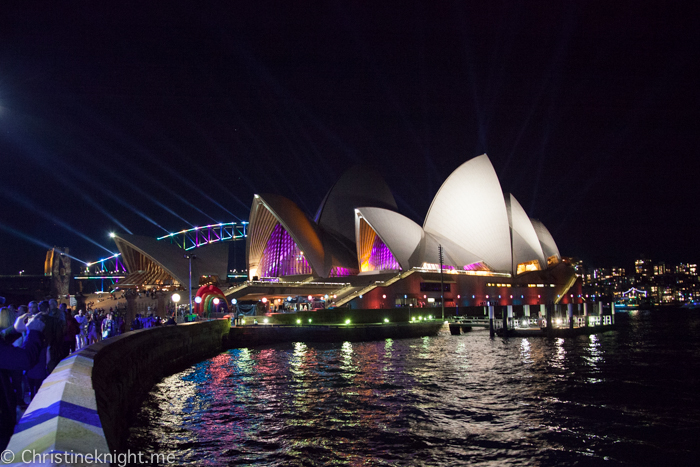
[630, 300]
[626, 304]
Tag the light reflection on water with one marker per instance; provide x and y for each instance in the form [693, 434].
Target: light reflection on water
[444, 400]
[525, 352]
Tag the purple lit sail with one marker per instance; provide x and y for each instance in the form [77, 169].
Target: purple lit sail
[282, 256]
[338, 271]
[381, 258]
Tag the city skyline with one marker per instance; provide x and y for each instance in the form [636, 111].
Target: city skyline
[151, 121]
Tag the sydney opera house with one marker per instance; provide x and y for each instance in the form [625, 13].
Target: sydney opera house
[358, 251]
[491, 250]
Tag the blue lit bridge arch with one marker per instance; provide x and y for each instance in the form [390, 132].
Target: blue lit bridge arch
[111, 264]
[94, 275]
[117, 270]
[200, 236]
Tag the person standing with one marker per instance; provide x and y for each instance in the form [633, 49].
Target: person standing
[16, 359]
[7, 321]
[71, 333]
[136, 323]
[121, 325]
[82, 321]
[7, 318]
[109, 328]
[33, 307]
[54, 332]
[93, 329]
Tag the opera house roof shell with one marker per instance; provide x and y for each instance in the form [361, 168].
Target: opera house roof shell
[357, 230]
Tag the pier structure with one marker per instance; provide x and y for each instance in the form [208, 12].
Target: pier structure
[542, 320]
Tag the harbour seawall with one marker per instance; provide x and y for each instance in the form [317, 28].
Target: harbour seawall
[335, 325]
[249, 336]
[356, 316]
[86, 404]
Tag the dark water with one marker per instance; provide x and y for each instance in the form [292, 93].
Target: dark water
[626, 397]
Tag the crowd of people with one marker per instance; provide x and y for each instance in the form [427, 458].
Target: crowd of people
[35, 337]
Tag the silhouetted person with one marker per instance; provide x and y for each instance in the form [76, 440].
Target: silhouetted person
[16, 359]
[54, 332]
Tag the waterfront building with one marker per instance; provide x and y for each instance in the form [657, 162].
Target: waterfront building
[663, 283]
[643, 267]
[660, 269]
[687, 268]
[477, 245]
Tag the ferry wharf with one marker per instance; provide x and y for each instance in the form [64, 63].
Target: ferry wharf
[551, 320]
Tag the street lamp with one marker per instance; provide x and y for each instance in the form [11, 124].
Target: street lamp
[190, 258]
[442, 285]
[176, 299]
[234, 302]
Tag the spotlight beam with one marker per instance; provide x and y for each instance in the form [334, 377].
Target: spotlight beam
[33, 240]
[42, 162]
[29, 205]
[138, 148]
[177, 195]
[146, 196]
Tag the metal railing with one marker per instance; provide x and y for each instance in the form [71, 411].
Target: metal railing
[528, 322]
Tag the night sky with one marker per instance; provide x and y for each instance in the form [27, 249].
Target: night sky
[152, 119]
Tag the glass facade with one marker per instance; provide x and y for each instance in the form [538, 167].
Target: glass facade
[338, 271]
[381, 258]
[282, 256]
[533, 265]
[374, 254]
[476, 267]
